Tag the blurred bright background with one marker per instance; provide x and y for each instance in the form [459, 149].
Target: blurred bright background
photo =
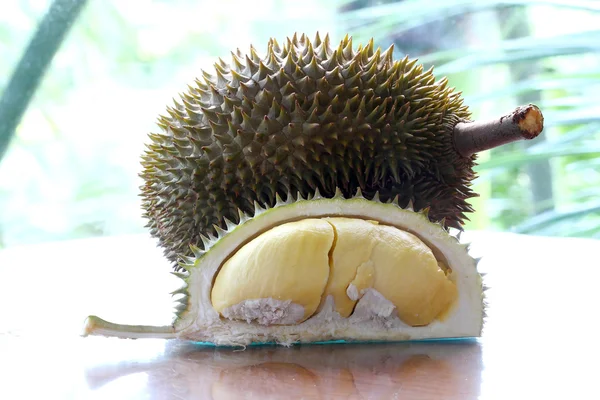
[71, 167]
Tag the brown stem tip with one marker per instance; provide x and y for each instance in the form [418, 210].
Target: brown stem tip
[524, 123]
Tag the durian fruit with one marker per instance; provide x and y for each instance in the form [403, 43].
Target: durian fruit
[308, 195]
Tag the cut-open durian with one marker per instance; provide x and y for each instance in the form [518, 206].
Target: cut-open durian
[308, 195]
[373, 317]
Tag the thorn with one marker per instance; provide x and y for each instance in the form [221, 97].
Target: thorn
[180, 275]
[188, 261]
[290, 198]
[197, 252]
[220, 231]
[242, 216]
[213, 239]
[205, 241]
[257, 208]
[183, 266]
[459, 234]
[359, 193]
[317, 194]
[376, 197]
[230, 225]
[181, 290]
[410, 206]
[396, 200]
[338, 193]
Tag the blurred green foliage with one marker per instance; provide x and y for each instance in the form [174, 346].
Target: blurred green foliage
[71, 171]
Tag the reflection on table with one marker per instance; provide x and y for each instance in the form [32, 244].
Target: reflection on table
[352, 371]
[538, 341]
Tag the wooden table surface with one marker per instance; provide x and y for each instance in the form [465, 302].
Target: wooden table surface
[540, 339]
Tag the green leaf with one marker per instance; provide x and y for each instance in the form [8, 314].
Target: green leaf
[518, 159]
[538, 85]
[394, 18]
[511, 51]
[552, 217]
[573, 135]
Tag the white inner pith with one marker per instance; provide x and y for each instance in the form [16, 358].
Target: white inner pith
[267, 311]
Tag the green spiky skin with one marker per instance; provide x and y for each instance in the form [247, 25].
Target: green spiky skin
[306, 116]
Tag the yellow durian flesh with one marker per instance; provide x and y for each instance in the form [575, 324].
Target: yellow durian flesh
[304, 262]
[288, 262]
[408, 275]
[352, 248]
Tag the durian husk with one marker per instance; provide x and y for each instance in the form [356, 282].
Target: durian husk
[306, 116]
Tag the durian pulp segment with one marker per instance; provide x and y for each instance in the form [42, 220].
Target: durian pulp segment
[287, 263]
[280, 276]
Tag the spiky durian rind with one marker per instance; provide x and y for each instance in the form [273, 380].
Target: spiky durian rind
[200, 322]
[304, 117]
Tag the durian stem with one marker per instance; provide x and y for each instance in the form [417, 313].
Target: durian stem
[525, 122]
[98, 326]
